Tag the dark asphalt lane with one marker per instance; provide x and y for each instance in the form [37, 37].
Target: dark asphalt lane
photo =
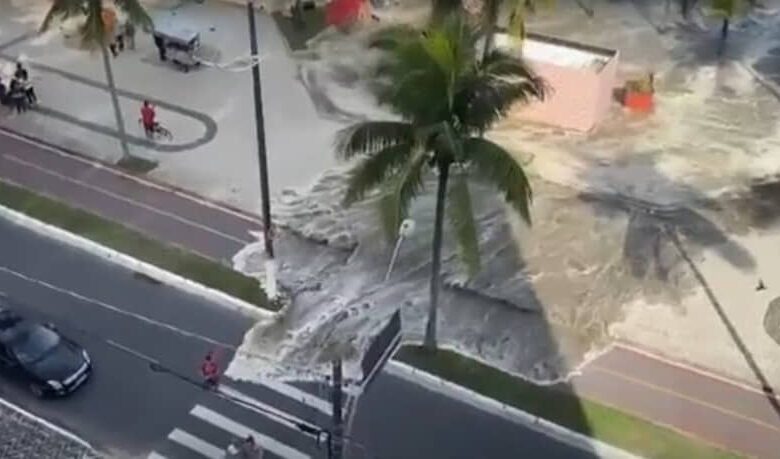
[126, 408]
[398, 419]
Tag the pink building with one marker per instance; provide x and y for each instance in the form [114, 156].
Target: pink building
[581, 80]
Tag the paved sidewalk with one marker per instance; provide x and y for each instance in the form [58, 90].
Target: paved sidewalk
[24, 436]
[729, 414]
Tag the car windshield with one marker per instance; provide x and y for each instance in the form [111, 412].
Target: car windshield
[33, 343]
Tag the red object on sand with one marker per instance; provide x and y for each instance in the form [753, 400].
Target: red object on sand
[342, 13]
[639, 101]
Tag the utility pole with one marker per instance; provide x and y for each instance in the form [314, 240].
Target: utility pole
[336, 450]
[270, 267]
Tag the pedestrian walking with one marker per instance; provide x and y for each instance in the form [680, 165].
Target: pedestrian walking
[18, 97]
[159, 42]
[209, 369]
[130, 35]
[23, 77]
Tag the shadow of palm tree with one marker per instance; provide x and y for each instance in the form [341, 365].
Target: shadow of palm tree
[497, 317]
[658, 233]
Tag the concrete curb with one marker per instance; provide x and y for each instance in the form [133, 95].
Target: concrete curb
[133, 264]
[71, 436]
[510, 413]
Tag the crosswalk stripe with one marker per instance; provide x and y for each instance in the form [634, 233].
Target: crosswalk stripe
[196, 444]
[155, 455]
[239, 430]
[261, 408]
[298, 394]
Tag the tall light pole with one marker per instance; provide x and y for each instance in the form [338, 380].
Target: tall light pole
[270, 267]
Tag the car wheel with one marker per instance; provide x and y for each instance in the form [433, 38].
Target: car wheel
[37, 390]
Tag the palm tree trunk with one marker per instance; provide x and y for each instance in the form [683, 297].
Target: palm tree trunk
[120, 122]
[438, 230]
[724, 34]
[490, 29]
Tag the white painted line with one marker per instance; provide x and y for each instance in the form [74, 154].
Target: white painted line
[194, 443]
[45, 423]
[155, 455]
[241, 431]
[130, 177]
[699, 371]
[128, 262]
[133, 202]
[297, 394]
[261, 408]
[115, 309]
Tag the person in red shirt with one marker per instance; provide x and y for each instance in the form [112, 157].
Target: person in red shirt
[210, 371]
[148, 118]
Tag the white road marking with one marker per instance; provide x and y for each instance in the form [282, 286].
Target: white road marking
[277, 386]
[155, 455]
[262, 408]
[241, 431]
[131, 177]
[194, 443]
[297, 394]
[119, 197]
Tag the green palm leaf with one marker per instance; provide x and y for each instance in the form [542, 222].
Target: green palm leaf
[461, 217]
[135, 13]
[493, 164]
[372, 171]
[370, 137]
[398, 192]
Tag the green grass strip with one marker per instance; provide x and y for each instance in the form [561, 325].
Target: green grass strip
[135, 244]
[562, 407]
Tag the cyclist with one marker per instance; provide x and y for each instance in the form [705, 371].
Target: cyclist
[148, 116]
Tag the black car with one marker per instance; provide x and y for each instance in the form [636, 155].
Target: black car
[39, 356]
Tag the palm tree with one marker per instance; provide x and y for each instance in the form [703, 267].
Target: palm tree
[518, 11]
[447, 98]
[95, 35]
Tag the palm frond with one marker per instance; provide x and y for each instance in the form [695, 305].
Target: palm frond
[61, 10]
[461, 216]
[369, 137]
[502, 81]
[392, 37]
[493, 164]
[93, 31]
[373, 170]
[729, 8]
[135, 13]
[421, 71]
[399, 192]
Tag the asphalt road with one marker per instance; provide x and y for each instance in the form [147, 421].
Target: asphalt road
[129, 410]
[126, 407]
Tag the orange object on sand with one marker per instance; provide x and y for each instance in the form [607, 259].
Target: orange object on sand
[344, 13]
[639, 101]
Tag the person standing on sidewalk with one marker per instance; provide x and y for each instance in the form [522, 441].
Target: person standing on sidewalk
[130, 35]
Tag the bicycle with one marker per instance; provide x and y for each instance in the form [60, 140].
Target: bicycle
[158, 131]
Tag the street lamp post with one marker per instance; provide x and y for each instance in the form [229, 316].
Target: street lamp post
[270, 267]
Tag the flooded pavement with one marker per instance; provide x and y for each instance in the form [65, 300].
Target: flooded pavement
[624, 218]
